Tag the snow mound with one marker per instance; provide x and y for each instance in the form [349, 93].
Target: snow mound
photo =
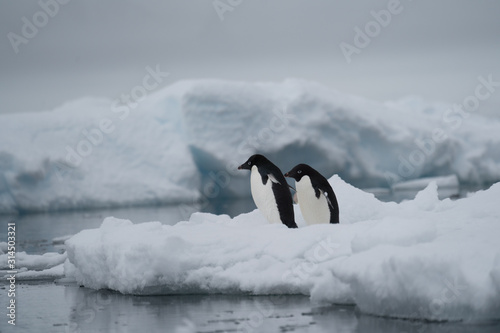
[183, 144]
[424, 258]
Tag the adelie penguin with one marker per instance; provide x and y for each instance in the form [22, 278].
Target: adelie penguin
[317, 200]
[270, 190]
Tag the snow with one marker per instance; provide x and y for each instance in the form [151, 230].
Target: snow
[34, 262]
[424, 258]
[52, 273]
[183, 144]
[48, 266]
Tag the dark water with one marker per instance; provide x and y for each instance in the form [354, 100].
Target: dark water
[44, 306]
[47, 307]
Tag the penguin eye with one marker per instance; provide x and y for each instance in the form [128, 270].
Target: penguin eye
[249, 163]
[300, 171]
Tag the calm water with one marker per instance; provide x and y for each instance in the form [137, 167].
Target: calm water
[44, 306]
[56, 308]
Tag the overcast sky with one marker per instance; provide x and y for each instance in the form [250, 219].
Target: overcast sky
[434, 49]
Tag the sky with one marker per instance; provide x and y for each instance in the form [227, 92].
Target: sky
[381, 50]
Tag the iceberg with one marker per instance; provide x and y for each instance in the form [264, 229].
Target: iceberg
[79, 156]
[424, 258]
[184, 142]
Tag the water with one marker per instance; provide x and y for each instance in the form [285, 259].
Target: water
[48, 307]
[44, 306]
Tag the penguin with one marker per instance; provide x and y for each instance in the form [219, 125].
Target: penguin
[317, 200]
[270, 190]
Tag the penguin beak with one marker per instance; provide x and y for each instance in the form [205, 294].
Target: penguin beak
[287, 174]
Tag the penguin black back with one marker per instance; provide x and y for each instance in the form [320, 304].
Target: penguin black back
[320, 185]
[269, 172]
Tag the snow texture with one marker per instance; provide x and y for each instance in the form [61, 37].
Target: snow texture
[424, 258]
[184, 143]
[48, 266]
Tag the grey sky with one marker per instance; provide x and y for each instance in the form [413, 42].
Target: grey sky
[435, 49]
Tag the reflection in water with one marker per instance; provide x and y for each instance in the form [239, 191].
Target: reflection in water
[56, 308]
[377, 324]
[105, 311]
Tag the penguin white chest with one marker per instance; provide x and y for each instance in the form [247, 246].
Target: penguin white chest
[263, 196]
[315, 210]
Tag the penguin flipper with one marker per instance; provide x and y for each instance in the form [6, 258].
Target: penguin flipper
[273, 179]
[266, 177]
[328, 200]
[318, 191]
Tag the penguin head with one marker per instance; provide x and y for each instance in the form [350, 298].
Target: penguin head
[256, 160]
[299, 171]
